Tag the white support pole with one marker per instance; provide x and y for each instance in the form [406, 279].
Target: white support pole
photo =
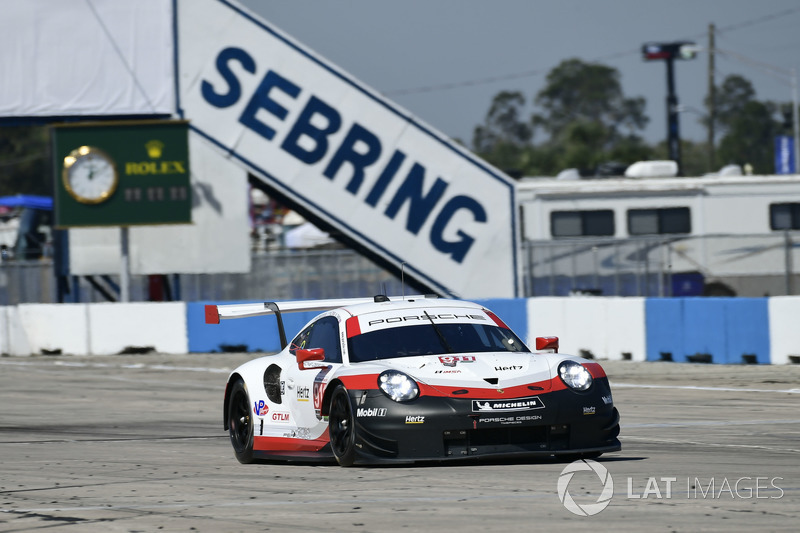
[796, 123]
[124, 272]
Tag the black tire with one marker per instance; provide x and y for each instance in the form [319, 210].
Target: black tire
[341, 427]
[240, 422]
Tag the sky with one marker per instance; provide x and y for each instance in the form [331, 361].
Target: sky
[444, 60]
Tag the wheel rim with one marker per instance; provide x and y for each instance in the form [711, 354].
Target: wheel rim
[240, 421]
[340, 425]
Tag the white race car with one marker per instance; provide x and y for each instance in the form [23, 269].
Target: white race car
[407, 379]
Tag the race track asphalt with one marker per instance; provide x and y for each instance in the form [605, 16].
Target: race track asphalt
[135, 443]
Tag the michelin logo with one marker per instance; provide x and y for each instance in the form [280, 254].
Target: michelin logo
[517, 404]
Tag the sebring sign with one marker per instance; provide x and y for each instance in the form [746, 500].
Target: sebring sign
[340, 151]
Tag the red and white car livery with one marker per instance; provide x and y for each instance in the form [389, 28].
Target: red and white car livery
[414, 378]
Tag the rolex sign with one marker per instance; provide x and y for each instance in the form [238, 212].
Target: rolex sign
[122, 174]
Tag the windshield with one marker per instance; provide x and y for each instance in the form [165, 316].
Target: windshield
[409, 341]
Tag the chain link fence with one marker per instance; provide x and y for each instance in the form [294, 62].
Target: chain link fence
[715, 265]
[281, 275]
[720, 265]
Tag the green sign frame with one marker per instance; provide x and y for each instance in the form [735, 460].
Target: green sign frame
[122, 173]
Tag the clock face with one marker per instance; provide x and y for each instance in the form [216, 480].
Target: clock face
[90, 175]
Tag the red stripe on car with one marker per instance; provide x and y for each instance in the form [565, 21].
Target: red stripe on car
[517, 391]
[286, 444]
[370, 381]
[365, 381]
[353, 327]
[595, 370]
[496, 319]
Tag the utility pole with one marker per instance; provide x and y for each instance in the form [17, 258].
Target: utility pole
[712, 104]
[673, 124]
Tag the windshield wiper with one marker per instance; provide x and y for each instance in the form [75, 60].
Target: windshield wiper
[439, 333]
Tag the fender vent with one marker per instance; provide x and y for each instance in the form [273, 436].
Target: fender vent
[272, 383]
[491, 381]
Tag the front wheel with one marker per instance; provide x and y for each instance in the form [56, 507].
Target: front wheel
[341, 427]
[240, 423]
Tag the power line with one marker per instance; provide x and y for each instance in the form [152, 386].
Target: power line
[493, 79]
[537, 72]
[753, 22]
[778, 73]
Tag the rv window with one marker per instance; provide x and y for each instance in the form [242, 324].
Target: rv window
[581, 223]
[656, 221]
[784, 216]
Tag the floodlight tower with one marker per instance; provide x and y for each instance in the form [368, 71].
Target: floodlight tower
[669, 52]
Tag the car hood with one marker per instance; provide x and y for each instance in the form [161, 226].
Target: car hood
[501, 369]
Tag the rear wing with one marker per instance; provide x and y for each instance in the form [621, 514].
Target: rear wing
[215, 313]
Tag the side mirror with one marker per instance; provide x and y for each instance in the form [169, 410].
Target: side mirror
[547, 343]
[304, 356]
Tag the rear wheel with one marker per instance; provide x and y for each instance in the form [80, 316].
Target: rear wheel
[341, 427]
[240, 423]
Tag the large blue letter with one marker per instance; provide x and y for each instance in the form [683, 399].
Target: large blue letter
[457, 249]
[420, 206]
[303, 127]
[234, 88]
[347, 153]
[385, 178]
[261, 100]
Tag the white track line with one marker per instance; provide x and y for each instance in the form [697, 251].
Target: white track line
[693, 387]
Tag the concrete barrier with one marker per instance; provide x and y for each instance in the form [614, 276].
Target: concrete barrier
[93, 329]
[626, 337]
[708, 330]
[716, 330]
[48, 329]
[784, 329]
[605, 328]
[119, 327]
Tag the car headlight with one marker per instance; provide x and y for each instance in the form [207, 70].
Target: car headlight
[398, 386]
[574, 375]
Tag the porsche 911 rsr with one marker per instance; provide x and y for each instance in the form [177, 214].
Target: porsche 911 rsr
[414, 378]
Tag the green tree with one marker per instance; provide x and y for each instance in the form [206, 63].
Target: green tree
[24, 161]
[504, 137]
[734, 93]
[504, 122]
[588, 92]
[748, 126]
[750, 137]
[584, 116]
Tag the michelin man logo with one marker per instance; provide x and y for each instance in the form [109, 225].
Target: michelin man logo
[586, 509]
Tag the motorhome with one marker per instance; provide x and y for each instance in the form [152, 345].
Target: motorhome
[713, 235]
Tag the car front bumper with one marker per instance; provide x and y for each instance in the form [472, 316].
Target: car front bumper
[562, 422]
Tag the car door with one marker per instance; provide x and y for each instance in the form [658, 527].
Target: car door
[304, 387]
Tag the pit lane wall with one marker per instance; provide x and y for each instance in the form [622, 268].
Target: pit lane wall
[701, 330]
